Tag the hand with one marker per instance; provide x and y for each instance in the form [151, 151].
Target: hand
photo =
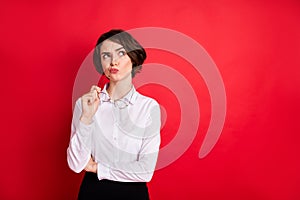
[90, 102]
[91, 166]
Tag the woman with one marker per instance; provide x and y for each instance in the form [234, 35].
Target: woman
[115, 133]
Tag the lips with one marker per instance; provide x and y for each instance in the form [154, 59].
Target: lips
[113, 70]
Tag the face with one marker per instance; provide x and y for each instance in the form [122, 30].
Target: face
[115, 62]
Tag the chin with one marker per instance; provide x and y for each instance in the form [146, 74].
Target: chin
[116, 77]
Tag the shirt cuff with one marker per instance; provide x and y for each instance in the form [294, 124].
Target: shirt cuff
[85, 127]
[103, 171]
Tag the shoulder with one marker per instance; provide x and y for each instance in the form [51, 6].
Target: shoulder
[145, 100]
[149, 108]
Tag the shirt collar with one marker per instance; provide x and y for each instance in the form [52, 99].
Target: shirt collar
[130, 97]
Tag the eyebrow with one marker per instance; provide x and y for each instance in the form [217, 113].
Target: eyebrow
[104, 52]
[119, 48]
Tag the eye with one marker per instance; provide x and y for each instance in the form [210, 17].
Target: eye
[105, 56]
[122, 53]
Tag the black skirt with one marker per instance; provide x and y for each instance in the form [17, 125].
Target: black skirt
[92, 188]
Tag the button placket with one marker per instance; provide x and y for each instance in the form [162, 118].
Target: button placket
[115, 134]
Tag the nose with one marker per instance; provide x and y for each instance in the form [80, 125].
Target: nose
[114, 61]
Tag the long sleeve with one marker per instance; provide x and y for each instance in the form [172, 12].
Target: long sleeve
[79, 150]
[123, 141]
[141, 169]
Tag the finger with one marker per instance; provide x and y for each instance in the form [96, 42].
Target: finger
[95, 95]
[87, 168]
[95, 87]
[98, 89]
[92, 88]
[88, 98]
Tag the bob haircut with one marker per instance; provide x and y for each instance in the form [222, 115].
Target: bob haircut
[134, 50]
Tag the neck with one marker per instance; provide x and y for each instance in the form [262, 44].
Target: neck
[119, 89]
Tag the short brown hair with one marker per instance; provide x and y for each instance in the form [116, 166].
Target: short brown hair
[134, 50]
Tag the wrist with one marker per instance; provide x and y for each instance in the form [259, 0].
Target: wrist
[86, 120]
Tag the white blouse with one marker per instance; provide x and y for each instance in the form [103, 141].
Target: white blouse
[123, 138]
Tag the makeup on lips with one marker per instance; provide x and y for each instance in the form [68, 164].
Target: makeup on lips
[113, 70]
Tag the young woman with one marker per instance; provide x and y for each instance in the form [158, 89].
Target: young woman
[115, 133]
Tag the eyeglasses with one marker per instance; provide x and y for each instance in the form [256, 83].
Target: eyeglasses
[119, 103]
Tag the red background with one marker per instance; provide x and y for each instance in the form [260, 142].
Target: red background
[255, 44]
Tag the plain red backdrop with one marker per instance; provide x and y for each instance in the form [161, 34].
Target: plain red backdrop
[255, 44]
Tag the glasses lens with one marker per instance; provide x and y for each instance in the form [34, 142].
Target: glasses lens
[121, 104]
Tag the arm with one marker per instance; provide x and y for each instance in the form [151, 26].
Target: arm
[136, 171]
[79, 150]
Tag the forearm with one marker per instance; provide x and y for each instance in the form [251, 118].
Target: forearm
[77, 155]
[134, 169]
[137, 171]
[79, 150]
[130, 168]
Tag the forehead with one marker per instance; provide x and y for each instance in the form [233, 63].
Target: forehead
[109, 46]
